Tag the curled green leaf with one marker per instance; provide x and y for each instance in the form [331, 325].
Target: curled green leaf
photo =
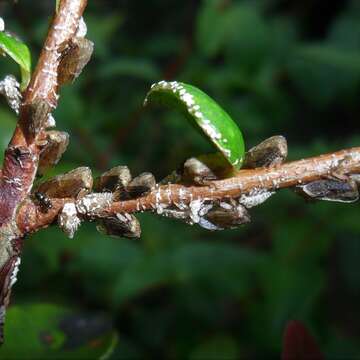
[20, 53]
[216, 124]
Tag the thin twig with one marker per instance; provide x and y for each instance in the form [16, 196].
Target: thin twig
[287, 175]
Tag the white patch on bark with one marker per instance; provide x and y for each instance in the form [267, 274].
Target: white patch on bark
[50, 122]
[255, 198]
[195, 207]
[10, 88]
[93, 203]
[68, 220]
[82, 28]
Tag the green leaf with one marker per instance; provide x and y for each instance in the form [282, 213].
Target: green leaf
[190, 263]
[346, 60]
[136, 68]
[39, 331]
[212, 26]
[216, 347]
[20, 53]
[218, 126]
[313, 65]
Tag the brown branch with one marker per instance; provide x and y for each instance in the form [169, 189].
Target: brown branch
[287, 175]
[22, 155]
[248, 181]
[43, 84]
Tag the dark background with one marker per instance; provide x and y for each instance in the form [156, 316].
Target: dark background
[278, 67]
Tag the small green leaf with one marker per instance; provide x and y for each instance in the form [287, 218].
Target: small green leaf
[20, 53]
[218, 126]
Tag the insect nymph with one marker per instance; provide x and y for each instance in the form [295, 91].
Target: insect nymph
[43, 201]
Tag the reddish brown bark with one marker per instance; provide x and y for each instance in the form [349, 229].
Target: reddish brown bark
[22, 155]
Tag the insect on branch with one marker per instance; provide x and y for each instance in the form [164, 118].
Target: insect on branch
[26, 147]
[215, 203]
[249, 187]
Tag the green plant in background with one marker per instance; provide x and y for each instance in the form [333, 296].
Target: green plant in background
[234, 290]
[19, 52]
[55, 332]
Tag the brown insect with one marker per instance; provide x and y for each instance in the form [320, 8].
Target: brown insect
[74, 57]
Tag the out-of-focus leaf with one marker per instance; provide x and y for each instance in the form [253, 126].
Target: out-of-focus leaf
[313, 65]
[106, 256]
[197, 260]
[72, 109]
[163, 44]
[215, 123]
[341, 345]
[135, 68]
[345, 31]
[238, 28]
[186, 264]
[216, 347]
[19, 52]
[349, 257]
[338, 58]
[100, 31]
[253, 46]
[212, 26]
[53, 332]
[287, 293]
[144, 273]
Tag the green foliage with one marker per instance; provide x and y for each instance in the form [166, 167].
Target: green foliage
[39, 330]
[19, 52]
[215, 123]
[278, 68]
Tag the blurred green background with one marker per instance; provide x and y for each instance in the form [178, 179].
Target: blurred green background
[289, 67]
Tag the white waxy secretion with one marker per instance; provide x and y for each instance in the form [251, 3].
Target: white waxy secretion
[254, 199]
[82, 28]
[93, 203]
[50, 122]
[195, 207]
[2, 24]
[68, 220]
[10, 88]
